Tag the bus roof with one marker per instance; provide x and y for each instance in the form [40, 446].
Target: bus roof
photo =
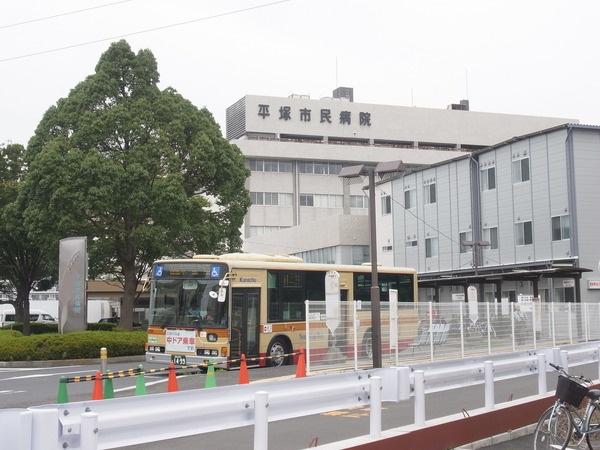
[283, 262]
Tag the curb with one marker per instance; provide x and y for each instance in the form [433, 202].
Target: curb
[499, 438]
[69, 362]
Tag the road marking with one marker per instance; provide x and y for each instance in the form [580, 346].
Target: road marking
[11, 392]
[41, 375]
[151, 383]
[354, 413]
[27, 369]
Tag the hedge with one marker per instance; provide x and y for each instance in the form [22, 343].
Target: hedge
[4, 332]
[36, 327]
[85, 344]
[101, 326]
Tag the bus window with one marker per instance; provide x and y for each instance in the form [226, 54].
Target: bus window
[403, 283]
[287, 291]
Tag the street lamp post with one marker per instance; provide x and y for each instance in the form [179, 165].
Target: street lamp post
[353, 172]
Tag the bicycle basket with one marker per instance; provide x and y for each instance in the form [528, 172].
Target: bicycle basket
[570, 391]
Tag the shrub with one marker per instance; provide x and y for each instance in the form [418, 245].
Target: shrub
[5, 332]
[36, 328]
[102, 326]
[71, 346]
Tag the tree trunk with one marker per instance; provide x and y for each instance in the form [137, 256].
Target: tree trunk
[18, 310]
[129, 290]
[23, 300]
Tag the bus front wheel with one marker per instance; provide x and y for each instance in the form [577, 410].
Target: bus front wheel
[276, 351]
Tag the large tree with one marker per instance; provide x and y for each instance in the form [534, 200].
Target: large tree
[23, 260]
[139, 170]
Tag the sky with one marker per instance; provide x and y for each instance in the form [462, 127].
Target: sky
[521, 57]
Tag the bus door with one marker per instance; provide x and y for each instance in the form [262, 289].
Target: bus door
[245, 316]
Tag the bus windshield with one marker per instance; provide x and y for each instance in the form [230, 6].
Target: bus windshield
[184, 302]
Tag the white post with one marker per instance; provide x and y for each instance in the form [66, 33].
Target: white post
[556, 356]
[16, 429]
[404, 383]
[488, 369]
[261, 420]
[355, 334]
[89, 431]
[564, 360]
[598, 349]
[462, 333]
[542, 384]
[512, 325]
[533, 320]
[487, 307]
[570, 322]
[375, 416]
[307, 346]
[393, 317]
[585, 321]
[45, 425]
[430, 331]
[419, 380]
[552, 327]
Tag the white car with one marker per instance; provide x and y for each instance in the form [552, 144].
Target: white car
[35, 315]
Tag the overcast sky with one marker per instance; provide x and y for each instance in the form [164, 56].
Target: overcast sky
[523, 57]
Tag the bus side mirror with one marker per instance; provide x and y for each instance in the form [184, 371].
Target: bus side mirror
[224, 283]
[222, 294]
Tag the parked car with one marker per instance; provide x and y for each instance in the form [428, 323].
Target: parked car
[35, 315]
[116, 321]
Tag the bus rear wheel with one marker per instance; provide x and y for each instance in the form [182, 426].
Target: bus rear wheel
[276, 351]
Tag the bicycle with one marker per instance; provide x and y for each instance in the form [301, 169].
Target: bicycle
[562, 426]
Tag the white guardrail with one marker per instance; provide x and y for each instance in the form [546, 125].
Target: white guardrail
[116, 423]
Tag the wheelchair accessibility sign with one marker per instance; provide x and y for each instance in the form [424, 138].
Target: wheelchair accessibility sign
[215, 272]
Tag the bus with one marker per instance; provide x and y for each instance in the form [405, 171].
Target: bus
[214, 308]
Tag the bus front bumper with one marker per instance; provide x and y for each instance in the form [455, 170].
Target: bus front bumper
[165, 358]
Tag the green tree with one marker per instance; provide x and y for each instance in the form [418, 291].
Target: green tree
[141, 171]
[23, 261]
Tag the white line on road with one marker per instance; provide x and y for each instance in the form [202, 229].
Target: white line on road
[41, 375]
[10, 391]
[27, 369]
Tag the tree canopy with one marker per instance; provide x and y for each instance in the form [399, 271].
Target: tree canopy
[140, 171]
[23, 261]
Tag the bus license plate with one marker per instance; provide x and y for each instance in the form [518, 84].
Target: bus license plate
[178, 360]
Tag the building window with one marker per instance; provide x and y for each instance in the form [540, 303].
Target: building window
[411, 243]
[429, 193]
[465, 236]
[488, 179]
[523, 233]
[386, 248]
[256, 165]
[561, 228]
[431, 247]
[271, 198]
[491, 235]
[520, 170]
[360, 254]
[359, 201]
[319, 167]
[386, 204]
[270, 165]
[305, 167]
[410, 198]
[256, 198]
[307, 200]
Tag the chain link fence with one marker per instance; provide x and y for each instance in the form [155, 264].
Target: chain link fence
[422, 332]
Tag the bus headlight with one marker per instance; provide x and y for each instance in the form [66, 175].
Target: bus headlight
[223, 351]
[211, 337]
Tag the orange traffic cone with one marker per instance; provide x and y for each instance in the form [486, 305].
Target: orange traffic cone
[172, 385]
[97, 393]
[301, 367]
[244, 377]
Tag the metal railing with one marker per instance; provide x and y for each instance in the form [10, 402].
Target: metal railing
[441, 331]
[117, 423]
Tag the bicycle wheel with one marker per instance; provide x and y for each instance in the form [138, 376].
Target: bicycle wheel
[593, 436]
[554, 429]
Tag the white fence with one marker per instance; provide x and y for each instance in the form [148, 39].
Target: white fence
[116, 423]
[438, 331]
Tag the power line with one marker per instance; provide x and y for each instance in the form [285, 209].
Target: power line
[147, 30]
[66, 13]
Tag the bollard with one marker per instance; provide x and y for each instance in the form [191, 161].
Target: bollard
[488, 369]
[564, 360]
[210, 381]
[140, 383]
[109, 389]
[103, 360]
[261, 420]
[542, 384]
[89, 431]
[419, 381]
[403, 383]
[375, 415]
[45, 429]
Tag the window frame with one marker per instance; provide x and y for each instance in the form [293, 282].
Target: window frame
[386, 205]
[561, 227]
[429, 191]
[412, 198]
[489, 239]
[464, 248]
[519, 224]
[485, 179]
[520, 161]
[431, 250]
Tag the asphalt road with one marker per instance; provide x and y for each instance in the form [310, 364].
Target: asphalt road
[28, 387]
